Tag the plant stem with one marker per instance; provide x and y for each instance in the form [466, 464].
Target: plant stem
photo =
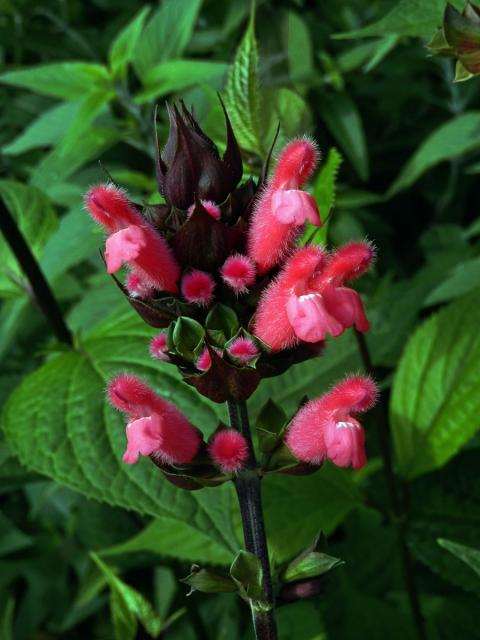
[398, 502]
[247, 485]
[41, 292]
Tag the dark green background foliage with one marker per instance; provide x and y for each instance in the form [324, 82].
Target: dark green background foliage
[91, 548]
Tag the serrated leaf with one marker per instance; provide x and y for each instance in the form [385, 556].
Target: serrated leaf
[452, 139]
[36, 220]
[166, 35]
[123, 46]
[58, 423]
[435, 401]
[324, 188]
[416, 18]
[67, 80]
[242, 93]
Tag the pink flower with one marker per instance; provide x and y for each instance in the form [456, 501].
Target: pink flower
[238, 272]
[133, 241]
[228, 450]
[198, 286]
[243, 349]
[210, 207]
[308, 300]
[283, 208]
[326, 429]
[109, 205]
[137, 287]
[204, 362]
[155, 427]
[158, 347]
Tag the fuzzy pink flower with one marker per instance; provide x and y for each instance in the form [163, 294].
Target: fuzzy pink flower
[243, 349]
[133, 241]
[204, 361]
[326, 429]
[238, 272]
[158, 347]
[210, 207]
[137, 287]
[109, 205]
[228, 450]
[348, 263]
[307, 301]
[198, 286]
[283, 208]
[155, 427]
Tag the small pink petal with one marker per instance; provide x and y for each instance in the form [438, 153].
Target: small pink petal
[158, 347]
[144, 437]
[345, 442]
[345, 305]
[309, 318]
[138, 286]
[204, 362]
[295, 207]
[123, 246]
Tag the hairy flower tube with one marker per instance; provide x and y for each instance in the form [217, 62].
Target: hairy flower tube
[308, 300]
[282, 208]
[326, 428]
[155, 427]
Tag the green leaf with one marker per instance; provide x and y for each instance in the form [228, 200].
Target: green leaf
[470, 556]
[6, 620]
[452, 139]
[221, 324]
[172, 538]
[58, 423]
[46, 130]
[208, 581]
[310, 565]
[166, 35]
[325, 184]
[462, 279]
[270, 422]
[247, 572]
[123, 46]
[67, 80]
[344, 122]
[177, 75]
[416, 18]
[36, 220]
[242, 93]
[434, 404]
[299, 48]
[11, 538]
[128, 606]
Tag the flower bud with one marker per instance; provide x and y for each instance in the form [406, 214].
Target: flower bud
[238, 273]
[243, 349]
[197, 287]
[158, 347]
[228, 450]
[109, 205]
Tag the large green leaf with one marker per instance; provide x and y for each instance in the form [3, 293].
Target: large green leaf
[242, 93]
[435, 401]
[407, 18]
[463, 278]
[469, 556]
[68, 80]
[123, 47]
[46, 130]
[451, 140]
[166, 35]
[36, 220]
[58, 423]
[343, 119]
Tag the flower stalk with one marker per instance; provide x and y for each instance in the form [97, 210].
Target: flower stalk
[248, 487]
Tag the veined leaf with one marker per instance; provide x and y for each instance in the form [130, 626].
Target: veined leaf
[242, 93]
[59, 424]
[435, 402]
[470, 556]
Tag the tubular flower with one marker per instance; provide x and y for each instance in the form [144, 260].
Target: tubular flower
[155, 427]
[133, 241]
[308, 300]
[228, 450]
[326, 428]
[283, 208]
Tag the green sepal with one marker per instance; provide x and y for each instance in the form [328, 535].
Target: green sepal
[187, 335]
[311, 563]
[247, 573]
[221, 324]
[207, 581]
[270, 423]
[242, 333]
